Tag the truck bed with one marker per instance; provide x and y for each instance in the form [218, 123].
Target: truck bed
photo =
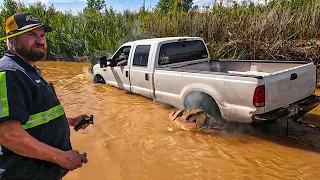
[237, 67]
[285, 82]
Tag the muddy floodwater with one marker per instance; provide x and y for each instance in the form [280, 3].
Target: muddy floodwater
[133, 138]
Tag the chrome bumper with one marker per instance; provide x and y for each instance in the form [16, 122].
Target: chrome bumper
[303, 106]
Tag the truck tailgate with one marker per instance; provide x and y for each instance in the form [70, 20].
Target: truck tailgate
[288, 86]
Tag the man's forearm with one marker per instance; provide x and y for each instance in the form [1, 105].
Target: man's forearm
[13, 137]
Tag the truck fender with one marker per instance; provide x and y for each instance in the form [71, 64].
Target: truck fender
[196, 97]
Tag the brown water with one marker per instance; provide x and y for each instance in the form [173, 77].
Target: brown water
[133, 138]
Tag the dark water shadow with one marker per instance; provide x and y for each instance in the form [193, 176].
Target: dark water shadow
[301, 137]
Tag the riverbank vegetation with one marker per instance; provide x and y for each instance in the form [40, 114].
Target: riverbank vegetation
[279, 29]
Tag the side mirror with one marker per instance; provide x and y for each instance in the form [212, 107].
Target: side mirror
[111, 63]
[104, 62]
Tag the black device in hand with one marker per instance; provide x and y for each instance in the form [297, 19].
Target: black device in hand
[85, 121]
[84, 154]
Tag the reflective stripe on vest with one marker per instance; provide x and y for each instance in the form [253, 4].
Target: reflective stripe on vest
[44, 117]
[4, 106]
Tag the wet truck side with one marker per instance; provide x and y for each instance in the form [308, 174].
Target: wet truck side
[178, 71]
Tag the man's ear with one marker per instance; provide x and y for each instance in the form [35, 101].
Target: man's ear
[9, 39]
[9, 33]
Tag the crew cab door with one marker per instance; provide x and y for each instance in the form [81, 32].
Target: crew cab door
[141, 71]
[118, 76]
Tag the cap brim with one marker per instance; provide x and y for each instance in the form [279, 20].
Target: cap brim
[46, 27]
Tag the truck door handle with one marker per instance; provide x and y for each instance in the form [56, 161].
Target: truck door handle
[127, 74]
[146, 76]
[293, 76]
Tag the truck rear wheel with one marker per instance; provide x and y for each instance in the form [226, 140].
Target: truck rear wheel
[196, 100]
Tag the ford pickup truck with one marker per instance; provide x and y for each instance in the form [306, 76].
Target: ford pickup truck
[178, 71]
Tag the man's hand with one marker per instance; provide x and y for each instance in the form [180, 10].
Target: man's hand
[75, 121]
[71, 160]
[13, 137]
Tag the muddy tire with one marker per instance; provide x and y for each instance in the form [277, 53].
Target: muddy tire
[98, 80]
[196, 119]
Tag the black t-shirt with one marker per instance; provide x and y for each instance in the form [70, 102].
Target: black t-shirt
[27, 97]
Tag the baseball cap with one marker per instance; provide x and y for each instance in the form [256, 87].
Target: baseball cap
[23, 21]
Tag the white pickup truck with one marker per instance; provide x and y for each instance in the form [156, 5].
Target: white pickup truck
[178, 71]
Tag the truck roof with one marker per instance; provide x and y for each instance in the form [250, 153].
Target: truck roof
[160, 40]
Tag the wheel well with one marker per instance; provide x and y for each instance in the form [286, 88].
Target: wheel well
[199, 99]
[98, 75]
[98, 79]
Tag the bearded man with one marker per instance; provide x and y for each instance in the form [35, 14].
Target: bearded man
[34, 130]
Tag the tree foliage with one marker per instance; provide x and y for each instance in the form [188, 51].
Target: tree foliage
[9, 7]
[286, 30]
[96, 4]
[174, 5]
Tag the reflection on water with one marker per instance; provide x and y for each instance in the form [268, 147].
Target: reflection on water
[133, 138]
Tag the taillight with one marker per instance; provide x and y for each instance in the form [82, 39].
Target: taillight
[259, 96]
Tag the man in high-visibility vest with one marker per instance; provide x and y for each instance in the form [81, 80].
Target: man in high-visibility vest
[34, 130]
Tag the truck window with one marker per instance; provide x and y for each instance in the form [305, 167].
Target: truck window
[141, 55]
[183, 51]
[122, 54]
